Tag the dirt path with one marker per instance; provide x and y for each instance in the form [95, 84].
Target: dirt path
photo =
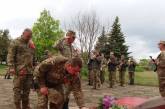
[91, 96]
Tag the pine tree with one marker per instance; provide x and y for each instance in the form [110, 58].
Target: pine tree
[100, 44]
[116, 40]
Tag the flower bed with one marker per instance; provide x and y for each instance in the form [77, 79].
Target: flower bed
[109, 102]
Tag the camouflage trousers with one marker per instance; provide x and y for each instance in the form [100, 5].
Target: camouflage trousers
[90, 77]
[112, 75]
[122, 77]
[96, 78]
[131, 77]
[102, 76]
[22, 85]
[162, 86]
[54, 99]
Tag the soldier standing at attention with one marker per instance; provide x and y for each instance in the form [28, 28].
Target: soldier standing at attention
[161, 68]
[112, 63]
[131, 70]
[20, 61]
[66, 49]
[122, 70]
[95, 62]
[102, 69]
[90, 81]
[52, 74]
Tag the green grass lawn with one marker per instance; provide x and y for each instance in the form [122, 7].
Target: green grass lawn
[2, 69]
[147, 78]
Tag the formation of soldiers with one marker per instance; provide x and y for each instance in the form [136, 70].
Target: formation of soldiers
[57, 76]
[97, 67]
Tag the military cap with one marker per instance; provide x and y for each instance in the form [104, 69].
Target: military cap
[27, 30]
[69, 33]
[111, 53]
[162, 42]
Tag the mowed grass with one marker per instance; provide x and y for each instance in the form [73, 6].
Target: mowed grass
[2, 69]
[147, 78]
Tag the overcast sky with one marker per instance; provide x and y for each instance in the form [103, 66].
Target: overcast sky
[142, 21]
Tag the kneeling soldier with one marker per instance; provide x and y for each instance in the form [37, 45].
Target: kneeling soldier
[52, 74]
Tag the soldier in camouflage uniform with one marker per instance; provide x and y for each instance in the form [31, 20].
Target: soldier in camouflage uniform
[122, 70]
[131, 70]
[65, 46]
[20, 61]
[112, 63]
[161, 68]
[52, 74]
[95, 62]
[102, 69]
[90, 81]
[7, 75]
[66, 49]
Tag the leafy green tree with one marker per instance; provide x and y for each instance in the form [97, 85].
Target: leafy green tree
[116, 40]
[46, 31]
[4, 44]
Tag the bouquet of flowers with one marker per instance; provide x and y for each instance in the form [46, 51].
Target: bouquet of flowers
[109, 102]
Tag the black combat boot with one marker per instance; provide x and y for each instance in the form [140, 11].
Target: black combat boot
[17, 105]
[66, 104]
[132, 82]
[25, 105]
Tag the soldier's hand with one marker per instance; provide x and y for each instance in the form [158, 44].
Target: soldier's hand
[12, 71]
[44, 90]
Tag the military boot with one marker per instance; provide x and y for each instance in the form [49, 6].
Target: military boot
[25, 105]
[17, 105]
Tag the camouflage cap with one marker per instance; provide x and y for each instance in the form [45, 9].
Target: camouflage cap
[111, 53]
[162, 42]
[27, 30]
[69, 33]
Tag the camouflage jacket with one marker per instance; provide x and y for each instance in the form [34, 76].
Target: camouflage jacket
[65, 49]
[95, 63]
[103, 63]
[161, 60]
[161, 63]
[112, 64]
[51, 73]
[131, 66]
[20, 55]
[123, 65]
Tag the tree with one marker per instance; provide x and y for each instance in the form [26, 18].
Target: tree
[4, 44]
[101, 42]
[116, 40]
[46, 31]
